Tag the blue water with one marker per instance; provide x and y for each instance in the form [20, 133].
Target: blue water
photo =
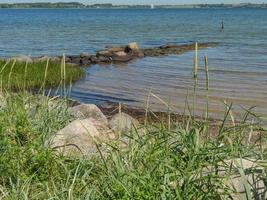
[238, 66]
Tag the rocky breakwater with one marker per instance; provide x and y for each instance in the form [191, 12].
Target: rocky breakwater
[124, 54]
[109, 55]
[117, 54]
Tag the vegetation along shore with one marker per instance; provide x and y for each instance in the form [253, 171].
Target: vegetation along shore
[54, 148]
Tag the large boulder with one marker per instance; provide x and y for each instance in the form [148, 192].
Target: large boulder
[22, 58]
[123, 123]
[133, 46]
[232, 171]
[84, 111]
[81, 138]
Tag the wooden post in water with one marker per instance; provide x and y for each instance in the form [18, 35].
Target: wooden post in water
[222, 25]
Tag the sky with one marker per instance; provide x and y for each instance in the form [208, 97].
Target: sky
[140, 1]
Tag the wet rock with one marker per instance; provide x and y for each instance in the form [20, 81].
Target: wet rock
[120, 53]
[80, 138]
[116, 49]
[84, 111]
[254, 175]
[133, 46]
[121, 56]
[84, 55]
[134, 49]
[93, 59]
[177, 49]
[123, 123]
[74, 60]
[22, 58]
[104, 54]
[169, 45]
[104, 59]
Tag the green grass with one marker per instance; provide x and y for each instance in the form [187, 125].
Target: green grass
[34, 75]
[162, 160]
[158, 162]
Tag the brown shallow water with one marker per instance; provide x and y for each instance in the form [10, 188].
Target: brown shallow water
[170, 79]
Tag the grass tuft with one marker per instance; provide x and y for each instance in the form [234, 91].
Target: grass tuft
[17, 76]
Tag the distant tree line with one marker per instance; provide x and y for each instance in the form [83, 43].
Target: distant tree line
[109, 5]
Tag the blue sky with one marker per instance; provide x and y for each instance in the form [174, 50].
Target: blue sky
[139, 1]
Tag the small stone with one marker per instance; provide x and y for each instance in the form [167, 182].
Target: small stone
[254, 174]
[84, 55]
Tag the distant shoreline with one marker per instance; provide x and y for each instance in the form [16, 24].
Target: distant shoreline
[76, 5]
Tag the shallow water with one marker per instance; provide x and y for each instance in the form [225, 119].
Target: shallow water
[238, 66]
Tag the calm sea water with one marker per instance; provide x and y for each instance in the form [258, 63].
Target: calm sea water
[238, 66]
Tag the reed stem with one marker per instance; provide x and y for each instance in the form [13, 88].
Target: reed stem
[207, 86]
[195, 77]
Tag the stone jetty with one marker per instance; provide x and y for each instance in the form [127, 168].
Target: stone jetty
[118, 54]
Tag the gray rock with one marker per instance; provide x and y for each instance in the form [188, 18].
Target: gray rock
[254, 174]
[116, 49]
[133, 47]
[84, 55]
[22, 58]
[122, 56]
[104, 59]
[42, 59]
[80, 137]
[123, 123]
[84, 111]
[56, 59]
[93, 59]
[104, 53]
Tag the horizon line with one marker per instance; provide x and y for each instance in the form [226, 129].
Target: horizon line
[181, 4]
